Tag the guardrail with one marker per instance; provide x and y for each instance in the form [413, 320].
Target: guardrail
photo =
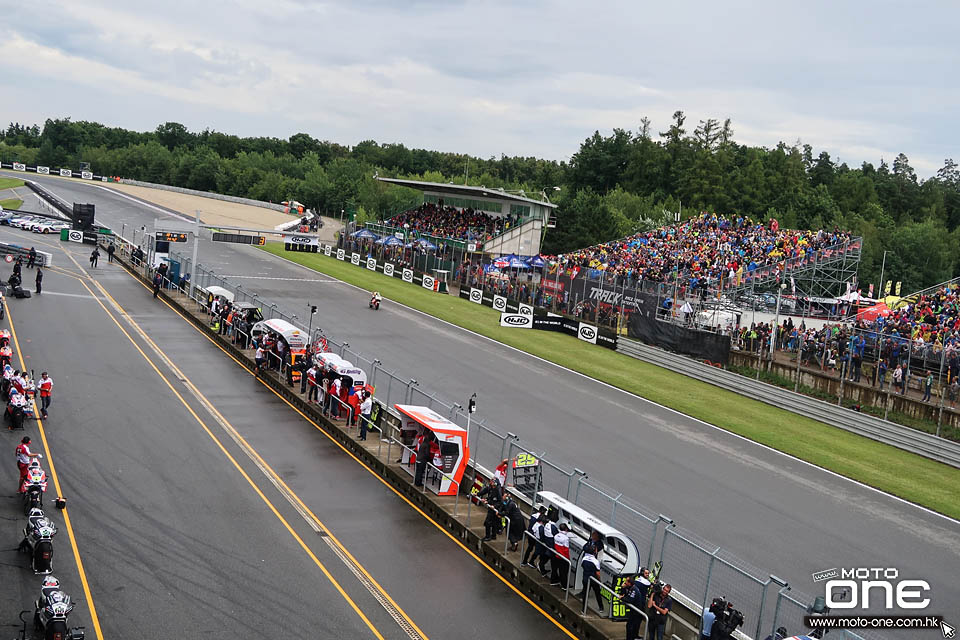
[912, 440]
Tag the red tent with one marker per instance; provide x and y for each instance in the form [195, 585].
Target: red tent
[872, 313]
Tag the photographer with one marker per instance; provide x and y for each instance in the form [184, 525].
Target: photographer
[659, 604]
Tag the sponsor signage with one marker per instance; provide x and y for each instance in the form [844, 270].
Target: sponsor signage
[499, 303]
[407, 275]
[471, 246]
[587, 333]
[516, 320]
[19, 166]
[66, 173]
[372, 264]
[388, 269]
[355, 259]
[476, 295]
[75, 236]
[44, 171]
[327, 250]
[341, 254]
[429, 282]
[525, 309]
[303, 241]
[86, 175]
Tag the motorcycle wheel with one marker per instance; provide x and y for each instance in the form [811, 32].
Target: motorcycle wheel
[56, 630]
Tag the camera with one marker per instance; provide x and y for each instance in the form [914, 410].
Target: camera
[726, 619]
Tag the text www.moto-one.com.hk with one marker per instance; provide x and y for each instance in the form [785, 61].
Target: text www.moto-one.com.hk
[873, 622]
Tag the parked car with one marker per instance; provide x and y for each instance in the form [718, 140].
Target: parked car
[50, 226]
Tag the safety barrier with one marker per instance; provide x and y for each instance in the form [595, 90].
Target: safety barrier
[700, 570]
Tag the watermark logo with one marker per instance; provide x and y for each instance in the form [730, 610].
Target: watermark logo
[857, 588]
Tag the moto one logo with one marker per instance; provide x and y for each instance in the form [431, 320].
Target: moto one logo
[854, 588]
[588, 333]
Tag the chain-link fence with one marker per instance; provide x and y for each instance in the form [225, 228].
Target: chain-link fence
[697, 569]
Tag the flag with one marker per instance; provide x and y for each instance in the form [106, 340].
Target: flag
[793, 286]
[886, 290]
[898, 289]
[870, 295]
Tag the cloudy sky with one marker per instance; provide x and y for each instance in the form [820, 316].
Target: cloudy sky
[863, 80]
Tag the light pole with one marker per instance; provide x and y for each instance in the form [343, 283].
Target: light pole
[196, 243]
[471, 409]
[313, 310]
[882, 265]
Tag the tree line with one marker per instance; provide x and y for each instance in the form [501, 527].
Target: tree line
[613, 185]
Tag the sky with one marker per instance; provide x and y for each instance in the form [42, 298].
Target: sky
[863, 81]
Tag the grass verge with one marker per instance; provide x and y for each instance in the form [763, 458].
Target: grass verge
[10, 183]
[11, 205]
[901, 473]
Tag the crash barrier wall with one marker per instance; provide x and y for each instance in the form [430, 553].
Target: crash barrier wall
[864, 393]
[44, 259]
[53, 171]
[205, 194]
[644, 325]
[59, 205]
[924, 444]
[489, 445]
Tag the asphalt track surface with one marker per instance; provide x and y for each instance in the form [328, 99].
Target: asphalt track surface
[781, 515]
[175, 541]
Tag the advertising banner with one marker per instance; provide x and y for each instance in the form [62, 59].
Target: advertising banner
[516, 320]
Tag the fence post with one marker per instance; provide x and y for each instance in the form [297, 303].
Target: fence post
[653, 538]
[613, 510]
[706, 589]
[576, 472]
[763, 600]
[776, 610]
[503, 446]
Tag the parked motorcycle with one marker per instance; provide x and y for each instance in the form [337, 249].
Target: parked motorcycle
[33, 488]
[51, 611]
[38, 541]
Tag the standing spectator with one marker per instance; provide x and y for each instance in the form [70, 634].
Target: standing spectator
[706, 624]
[927, 387]
[531, 553]
[898, 377]
[632, 596]
[366, 409]
[157, 278]
[423, 456]
[548, 534]
[333, 400]
[32, 259]
[659, 603]
[500, 473]
[882, 372]
[17, 266]
[23, 460]
[39, 280]
[45, 385]
[94, 256]
[312, 383]
[492, 496]
[591, 569]
[857, 364]
[511, 510]
[560, 567]
[110, 251]
[259, 357]
[953, 389]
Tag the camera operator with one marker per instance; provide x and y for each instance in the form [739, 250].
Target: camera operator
[659, 604]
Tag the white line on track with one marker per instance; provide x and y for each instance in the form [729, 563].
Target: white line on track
[235, 277]
[656, 404]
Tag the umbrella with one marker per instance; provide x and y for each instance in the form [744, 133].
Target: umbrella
[426, 244]
[490, 268]
[536, 262]
[503, 262]
[518, 263]
[392, 241]
[365, 234]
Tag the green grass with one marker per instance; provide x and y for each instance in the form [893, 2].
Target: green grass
[901, 473]
[10, 183]
[12, 204]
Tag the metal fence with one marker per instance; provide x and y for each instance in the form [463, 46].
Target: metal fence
[697, 569]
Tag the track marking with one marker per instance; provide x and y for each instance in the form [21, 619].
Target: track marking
[94, 618]
[449, 535]
[245, 475]
[897, 498]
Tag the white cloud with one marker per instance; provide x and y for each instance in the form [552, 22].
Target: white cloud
[527, 78]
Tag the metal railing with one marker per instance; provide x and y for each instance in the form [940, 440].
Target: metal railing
[693, 566]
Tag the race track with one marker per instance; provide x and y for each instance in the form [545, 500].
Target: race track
[783, 516]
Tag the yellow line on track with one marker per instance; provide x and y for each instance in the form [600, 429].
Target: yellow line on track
[369, 470]
[94, 619]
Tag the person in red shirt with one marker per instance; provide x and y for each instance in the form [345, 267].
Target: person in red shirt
[23, 459]
[45, 385]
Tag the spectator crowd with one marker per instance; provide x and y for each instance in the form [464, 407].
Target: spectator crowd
[450, 222]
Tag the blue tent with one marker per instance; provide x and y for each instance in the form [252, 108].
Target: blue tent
[490, 268]
[364, 234]
[536, 262]
[426, 244]
[516, 262]
[392, 241]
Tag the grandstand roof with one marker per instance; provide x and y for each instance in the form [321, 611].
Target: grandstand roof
[463, 190]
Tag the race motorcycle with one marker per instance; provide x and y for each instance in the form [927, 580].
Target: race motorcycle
[375, 301]
[19, 408]
[51, 611]
[38, 541]
[33, 487]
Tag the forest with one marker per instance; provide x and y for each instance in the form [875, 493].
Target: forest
[613, 185]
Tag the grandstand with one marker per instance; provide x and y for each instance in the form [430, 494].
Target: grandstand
[475, 219]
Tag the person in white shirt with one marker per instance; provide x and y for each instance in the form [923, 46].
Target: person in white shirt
[366, 409]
